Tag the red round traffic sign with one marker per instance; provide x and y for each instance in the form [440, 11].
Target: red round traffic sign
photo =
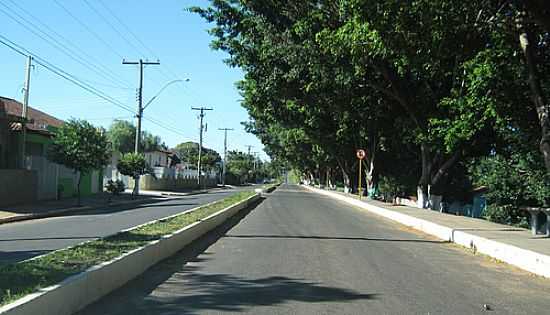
[361, 154]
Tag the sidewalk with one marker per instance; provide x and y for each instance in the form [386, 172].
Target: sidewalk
[513, 245]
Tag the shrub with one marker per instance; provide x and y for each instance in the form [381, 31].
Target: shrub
[390, 188]
[115, 187]
[513, 182]
[506, 214]
[519, 180]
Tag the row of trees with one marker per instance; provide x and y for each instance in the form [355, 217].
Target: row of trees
[84, 148]
[81, 146]
[440, 93]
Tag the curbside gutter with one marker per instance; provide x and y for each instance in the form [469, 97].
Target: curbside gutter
[80, 290]
[531, 261]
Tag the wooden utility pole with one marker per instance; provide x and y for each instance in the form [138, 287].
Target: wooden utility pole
[224, 170]
[139, 113]
[202, 110]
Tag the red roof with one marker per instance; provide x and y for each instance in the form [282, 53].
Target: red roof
[40, 121]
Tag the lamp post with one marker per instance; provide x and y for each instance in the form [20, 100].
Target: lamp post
[140, 116]
[161, 90]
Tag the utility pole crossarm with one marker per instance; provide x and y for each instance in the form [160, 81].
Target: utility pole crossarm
[145, 63]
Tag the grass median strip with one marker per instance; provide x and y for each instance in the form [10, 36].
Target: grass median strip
[20, 279]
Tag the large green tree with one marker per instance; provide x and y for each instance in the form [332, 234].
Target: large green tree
[122, 134]
[425, 84]
[80, 146]
[188, 152]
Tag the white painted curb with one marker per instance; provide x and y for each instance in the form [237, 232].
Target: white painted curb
[80, 290]
[534, 262]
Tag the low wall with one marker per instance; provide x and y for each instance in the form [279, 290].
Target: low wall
[18, 187]
[147, 182]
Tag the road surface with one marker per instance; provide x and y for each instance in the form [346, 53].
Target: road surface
[23, 240]
[302, 253]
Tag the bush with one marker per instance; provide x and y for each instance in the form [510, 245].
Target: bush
[506, 214]
[115, 187]
[520, 180]
[390, 188]
[512, 183]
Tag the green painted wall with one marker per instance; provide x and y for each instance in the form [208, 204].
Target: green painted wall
[37, 138]
[66, 185]
[86, 185]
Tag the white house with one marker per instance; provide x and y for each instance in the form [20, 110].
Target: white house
[158, 158]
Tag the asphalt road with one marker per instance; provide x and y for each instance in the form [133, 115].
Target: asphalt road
[23, 240]
[301, 253]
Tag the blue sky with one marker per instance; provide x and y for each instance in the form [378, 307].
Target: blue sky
[163, 28]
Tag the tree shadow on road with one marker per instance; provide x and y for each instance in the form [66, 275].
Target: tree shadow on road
[191, 292]
[177, 286]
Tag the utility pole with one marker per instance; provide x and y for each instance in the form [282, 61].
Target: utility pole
[249, 147]
[225, 130]
[255, 160]
[24, 111]
[248, 158]
[201, 109]
[139, 114]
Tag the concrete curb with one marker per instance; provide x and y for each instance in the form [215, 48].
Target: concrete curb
[531, 261]
[54, 213]
[80, 290]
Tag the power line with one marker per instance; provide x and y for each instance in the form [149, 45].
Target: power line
[168, 128]
[112, 27]
[71, 43]
[127, 28]
[138, 40]
[88, 29]
[24, 52]
[53, 42]
[62, 73]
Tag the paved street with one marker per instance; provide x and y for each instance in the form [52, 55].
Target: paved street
[301, 253]
[22, 240]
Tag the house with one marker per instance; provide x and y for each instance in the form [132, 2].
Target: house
[34, 177]
[158, 158]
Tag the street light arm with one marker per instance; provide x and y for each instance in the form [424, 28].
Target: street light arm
[163, 88]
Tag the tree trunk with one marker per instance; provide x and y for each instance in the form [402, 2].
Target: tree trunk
[346, 179]
[424, 183]
[136, 183]
[329, 179]
[541, 105]
[78, 201]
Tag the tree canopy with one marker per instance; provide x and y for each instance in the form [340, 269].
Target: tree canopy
[80, 146]
[426, 86]
[188, 152]
[122, 135]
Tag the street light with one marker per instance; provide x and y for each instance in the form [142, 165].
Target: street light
[163, 88]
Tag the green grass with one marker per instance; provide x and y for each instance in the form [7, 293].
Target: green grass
[20, 279]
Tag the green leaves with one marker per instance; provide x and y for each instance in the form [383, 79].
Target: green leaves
[134, 165]
[323, 78]
[80, 146]
[122, 135]
[188, 152]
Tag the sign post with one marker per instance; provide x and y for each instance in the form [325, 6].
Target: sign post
[361, 154]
